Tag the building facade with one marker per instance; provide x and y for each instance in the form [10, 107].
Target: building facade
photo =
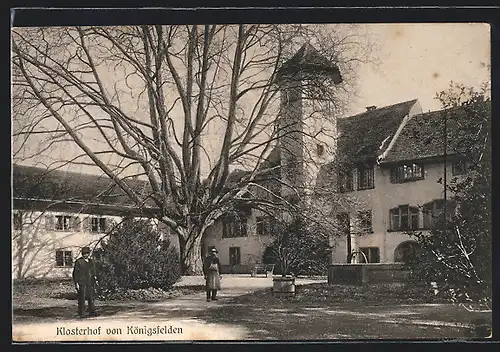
[390, 167]
[307, 139]
[396, 188]
[57, 213]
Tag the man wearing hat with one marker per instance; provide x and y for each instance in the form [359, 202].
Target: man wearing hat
[84, 277]
[211, 270]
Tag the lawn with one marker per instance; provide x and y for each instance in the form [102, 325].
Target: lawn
[41, 300]
[29, 292]
[318, 311]
[383, 311]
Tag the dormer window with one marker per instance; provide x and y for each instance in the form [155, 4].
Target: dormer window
[407, 172]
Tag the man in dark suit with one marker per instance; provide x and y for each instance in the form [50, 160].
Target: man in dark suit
[85, 279]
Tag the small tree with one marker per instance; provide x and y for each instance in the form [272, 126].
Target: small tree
[136, 256]
[298, 246]
[456, 254]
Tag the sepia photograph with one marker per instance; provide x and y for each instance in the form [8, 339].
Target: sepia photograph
[277, 182]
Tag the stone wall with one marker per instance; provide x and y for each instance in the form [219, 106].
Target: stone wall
[359, 274]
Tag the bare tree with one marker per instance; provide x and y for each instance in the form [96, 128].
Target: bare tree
[181, 106]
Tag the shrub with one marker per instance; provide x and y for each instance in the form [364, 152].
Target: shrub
[299, 248]
[136, 257]
[456, 256]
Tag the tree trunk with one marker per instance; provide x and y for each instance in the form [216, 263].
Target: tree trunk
[193, 263]
[190, 253]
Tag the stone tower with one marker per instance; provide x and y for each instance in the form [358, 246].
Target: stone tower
[300, 154]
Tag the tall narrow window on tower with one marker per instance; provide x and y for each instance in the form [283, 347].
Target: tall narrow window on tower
[320, 149]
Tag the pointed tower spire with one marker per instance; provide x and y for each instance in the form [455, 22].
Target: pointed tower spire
[308, 60]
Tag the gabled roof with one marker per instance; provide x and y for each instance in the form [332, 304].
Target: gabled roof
[272, 160]
[361, 136]
[34, 183]
[423, 135]
[308, 59]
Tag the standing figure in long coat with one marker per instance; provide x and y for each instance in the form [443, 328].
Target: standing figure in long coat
[212, 272]
[84, 277]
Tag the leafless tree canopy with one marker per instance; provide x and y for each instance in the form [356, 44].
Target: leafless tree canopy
[179, 105]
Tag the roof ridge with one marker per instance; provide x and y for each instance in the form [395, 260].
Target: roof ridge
[44, 170]
[436, 112]
[381, 108]
[65, 173]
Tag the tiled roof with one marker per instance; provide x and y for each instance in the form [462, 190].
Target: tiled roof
[423, 135]
[308, 59]
[362, 135]
[273, 159]
[41, 184]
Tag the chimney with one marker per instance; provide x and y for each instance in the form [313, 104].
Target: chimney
[370, 108]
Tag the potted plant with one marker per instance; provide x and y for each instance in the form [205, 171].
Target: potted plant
[296, 248]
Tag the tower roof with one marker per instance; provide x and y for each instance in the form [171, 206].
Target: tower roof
[308, 59]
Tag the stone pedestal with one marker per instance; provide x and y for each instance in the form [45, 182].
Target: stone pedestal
[284, 286]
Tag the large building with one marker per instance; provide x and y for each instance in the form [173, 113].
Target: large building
[394, 164]
[306, 129]
[388, 168]
[56, 213]
[384, 164]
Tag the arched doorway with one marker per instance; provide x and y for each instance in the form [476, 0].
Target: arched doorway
[405, 251]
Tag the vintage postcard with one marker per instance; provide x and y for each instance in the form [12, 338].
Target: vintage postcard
[251, 182]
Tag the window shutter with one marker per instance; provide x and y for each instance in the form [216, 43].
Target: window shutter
[59, 258]
[106, 224]
[86, 224]
[72, 223]
[77, 224]
[49, 223]
[358, 178]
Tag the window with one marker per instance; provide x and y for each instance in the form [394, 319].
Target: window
[263, 225]
[344, 181]
[64, 258]
[372, 254]
[365, 221]
[404, 217]
[18, 221]
[434, 212]
[407, 172]
[98, 224]
[366, 177]
[234, 256]
[458, 168]
[343, 221]
[234, 227]
[64, 222]
[320, 149]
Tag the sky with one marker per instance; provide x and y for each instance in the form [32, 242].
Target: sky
[416, 61]
[419, 60]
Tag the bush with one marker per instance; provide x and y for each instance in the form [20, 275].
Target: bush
[135, 257]
[299, 248]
